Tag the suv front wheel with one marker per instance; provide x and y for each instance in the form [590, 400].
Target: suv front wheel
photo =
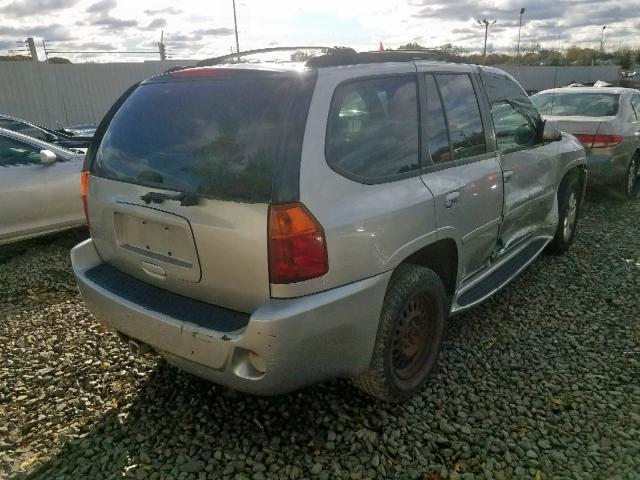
[632, 182]
[409, 334]
[569, 198]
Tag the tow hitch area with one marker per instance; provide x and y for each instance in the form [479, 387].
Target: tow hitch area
[137, 349]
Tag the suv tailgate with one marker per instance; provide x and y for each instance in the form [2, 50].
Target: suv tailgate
[215, 252]
[220, 137]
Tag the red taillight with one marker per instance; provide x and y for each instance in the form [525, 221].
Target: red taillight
[598, 141]
[297, 247]
[585, 138]
[196, 72]
[84, 180]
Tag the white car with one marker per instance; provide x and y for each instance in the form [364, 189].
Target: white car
[39, 187]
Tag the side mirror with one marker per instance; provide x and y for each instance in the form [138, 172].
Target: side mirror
[47, 157]
[551, 132]
[524, 135]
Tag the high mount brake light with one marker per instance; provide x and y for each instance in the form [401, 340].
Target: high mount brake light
[600, 141]
[297, 246]
[196, 72]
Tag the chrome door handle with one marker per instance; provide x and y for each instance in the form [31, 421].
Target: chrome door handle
[507, 175]
[451, 199]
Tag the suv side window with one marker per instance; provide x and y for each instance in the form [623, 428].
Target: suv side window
[436, 125]
[463, 115]
[13, 152]
[513, 130]
[372, 131]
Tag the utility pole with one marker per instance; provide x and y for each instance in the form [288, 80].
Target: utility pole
[602, 41]
[235, 25]
[486, 24]
[32, 49]
[161, 47]
[46, 54]
[519, 28]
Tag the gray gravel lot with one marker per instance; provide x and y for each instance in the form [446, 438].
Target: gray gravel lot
[542, 381]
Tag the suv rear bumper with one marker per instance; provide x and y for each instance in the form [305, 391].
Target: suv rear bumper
[297, 341]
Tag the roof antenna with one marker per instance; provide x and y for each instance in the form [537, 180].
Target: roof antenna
[235, 25]
[555, 82]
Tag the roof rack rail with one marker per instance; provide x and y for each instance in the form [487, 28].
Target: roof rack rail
[351, 57]
[235, 56]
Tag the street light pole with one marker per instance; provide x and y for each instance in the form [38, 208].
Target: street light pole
[486, 24]
[520, 28]
[602, 40]
[235, 24]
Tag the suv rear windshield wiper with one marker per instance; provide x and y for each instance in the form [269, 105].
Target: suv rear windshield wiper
[186, 199]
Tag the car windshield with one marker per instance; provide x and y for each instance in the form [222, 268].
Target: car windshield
[577, 104]
[216, 138]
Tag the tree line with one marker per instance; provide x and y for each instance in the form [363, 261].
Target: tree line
[534, 54]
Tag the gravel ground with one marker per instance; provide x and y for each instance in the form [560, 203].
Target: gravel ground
[542, 381]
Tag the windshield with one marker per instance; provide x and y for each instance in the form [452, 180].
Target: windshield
[216, 138]
[577, 104]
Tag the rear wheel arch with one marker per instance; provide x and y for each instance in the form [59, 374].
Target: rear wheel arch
[580, 172]
[441, 257]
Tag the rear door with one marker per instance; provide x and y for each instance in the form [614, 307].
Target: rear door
[64, 204]
[465, 178]
[180, 186]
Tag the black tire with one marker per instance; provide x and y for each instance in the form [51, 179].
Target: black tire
[631, 187]
[409, 336]
[569, 203]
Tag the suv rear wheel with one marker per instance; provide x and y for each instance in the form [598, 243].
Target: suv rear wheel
[409, 335]
[568, 212]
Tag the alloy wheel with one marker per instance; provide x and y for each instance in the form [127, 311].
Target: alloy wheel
[571, 216]
[633, 180]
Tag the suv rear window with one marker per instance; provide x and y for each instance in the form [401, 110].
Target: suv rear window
[577, 104]
[220, 138]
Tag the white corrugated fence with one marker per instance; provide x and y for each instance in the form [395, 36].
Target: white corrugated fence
[50, 94]
[82, 93]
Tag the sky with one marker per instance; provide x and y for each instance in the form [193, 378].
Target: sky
[197, 29]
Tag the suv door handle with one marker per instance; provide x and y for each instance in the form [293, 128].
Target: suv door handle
[507, 175]
[451, 199]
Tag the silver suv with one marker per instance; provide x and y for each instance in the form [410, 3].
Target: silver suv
[267, 227]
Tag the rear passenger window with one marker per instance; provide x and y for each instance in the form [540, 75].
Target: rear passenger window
[463, 115]
[372, 131]
[436, 125]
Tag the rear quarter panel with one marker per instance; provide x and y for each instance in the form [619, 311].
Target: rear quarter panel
[369, 229]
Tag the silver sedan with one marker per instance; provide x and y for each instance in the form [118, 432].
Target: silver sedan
[39, 187]
[607, 122]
